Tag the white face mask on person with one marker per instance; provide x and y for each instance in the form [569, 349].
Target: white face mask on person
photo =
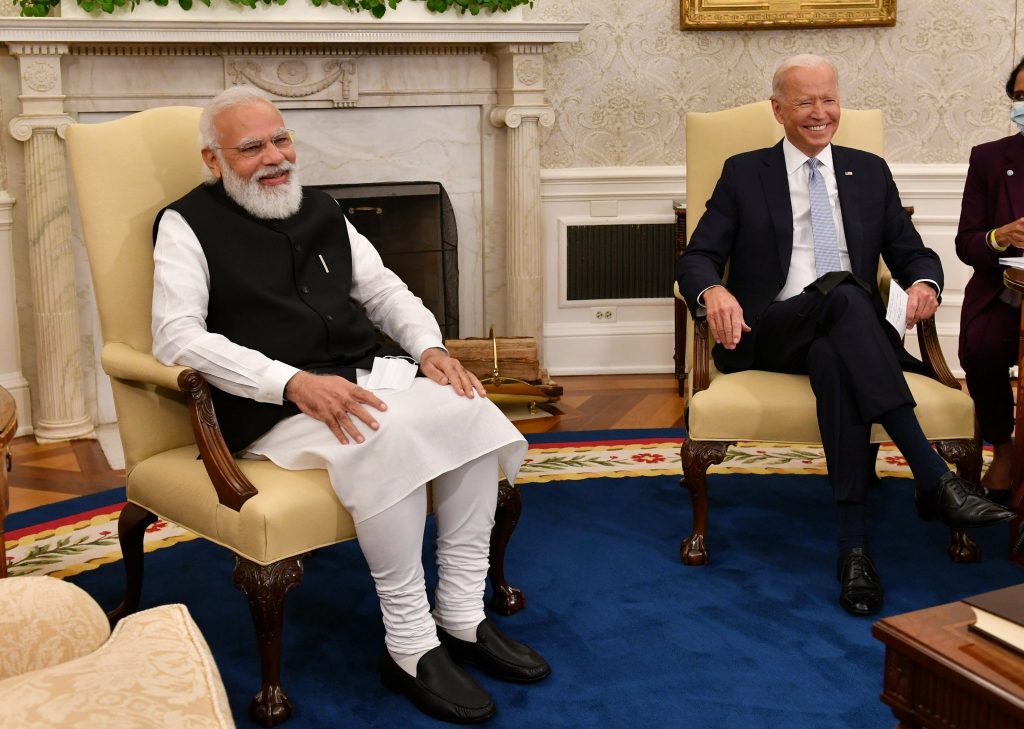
[1017, 114]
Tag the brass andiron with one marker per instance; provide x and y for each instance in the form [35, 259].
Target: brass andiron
[503, 390]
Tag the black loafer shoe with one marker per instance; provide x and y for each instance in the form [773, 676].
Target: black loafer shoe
[497, 655]
[439, 688]
[860, 587]
[956, 503]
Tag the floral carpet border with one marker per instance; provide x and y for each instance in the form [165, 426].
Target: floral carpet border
[88, 540]
[660, 457]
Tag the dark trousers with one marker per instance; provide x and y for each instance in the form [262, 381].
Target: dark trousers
[839, 341]
[988, 348]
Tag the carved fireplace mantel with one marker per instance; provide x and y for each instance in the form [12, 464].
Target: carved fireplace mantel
[485, 77]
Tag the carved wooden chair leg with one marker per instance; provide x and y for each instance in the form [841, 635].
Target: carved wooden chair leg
[265, 587]
[505, 599]
[966, 456]
[697, 458]
[1017, 534]
[131, 529]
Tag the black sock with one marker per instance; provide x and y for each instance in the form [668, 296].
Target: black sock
[926, 465]
[851, 526]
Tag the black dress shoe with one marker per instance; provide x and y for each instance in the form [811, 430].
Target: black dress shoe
[956, 503]
[860, 587]
[497, 655]
[439, 688]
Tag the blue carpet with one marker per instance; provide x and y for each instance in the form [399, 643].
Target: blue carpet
[755, 639]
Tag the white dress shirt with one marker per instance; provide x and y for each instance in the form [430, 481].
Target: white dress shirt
[801, 263]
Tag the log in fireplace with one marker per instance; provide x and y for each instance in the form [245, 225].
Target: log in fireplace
[412, 226]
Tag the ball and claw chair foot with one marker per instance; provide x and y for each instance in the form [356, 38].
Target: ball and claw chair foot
[962, 549]
[270, 706]
[507, 600]
[692, 551]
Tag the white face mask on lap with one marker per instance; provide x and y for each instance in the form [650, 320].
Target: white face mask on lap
[1017, 114]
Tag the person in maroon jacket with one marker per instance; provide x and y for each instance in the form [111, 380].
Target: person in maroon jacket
[991, 227]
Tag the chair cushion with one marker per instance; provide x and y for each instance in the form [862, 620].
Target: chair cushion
[155, 671]
[45, 621]
[293, 513]
[777, 408]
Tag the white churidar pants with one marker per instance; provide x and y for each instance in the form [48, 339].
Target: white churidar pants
[392, 543]
[428, 433]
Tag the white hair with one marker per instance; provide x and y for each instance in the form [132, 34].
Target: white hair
[802, 60]
[226, 99]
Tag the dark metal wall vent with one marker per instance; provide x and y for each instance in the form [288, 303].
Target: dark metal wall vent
[633, 261]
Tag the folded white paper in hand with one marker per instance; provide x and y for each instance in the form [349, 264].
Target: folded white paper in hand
[896, 312]
[391, 373]
[1012, 261]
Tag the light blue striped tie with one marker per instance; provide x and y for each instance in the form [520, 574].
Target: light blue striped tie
[823, 227]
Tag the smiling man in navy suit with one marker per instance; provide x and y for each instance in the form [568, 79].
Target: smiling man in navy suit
[803, 225]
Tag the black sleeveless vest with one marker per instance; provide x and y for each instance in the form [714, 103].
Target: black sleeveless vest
[280, 287]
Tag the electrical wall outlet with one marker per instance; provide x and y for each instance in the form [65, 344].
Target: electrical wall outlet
[603, 314]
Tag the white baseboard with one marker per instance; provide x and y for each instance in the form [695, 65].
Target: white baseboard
[609, 349]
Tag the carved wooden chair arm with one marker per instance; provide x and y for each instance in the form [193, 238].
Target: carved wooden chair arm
[931, 353]
[124, 362]
[701, 356]
[233, 488]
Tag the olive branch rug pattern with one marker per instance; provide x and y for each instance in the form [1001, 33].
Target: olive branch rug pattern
[86, 540]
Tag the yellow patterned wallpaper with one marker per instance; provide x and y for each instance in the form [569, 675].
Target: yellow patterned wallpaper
[620, 93]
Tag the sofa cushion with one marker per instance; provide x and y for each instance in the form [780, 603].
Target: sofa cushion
[768, 406]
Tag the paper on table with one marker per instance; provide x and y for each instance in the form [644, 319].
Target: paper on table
[1012, 262]
[896, 312]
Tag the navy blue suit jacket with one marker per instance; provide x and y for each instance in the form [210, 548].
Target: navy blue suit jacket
[749, 225]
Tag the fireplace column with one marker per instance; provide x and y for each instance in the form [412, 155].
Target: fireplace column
[61, 414]
[522, 110]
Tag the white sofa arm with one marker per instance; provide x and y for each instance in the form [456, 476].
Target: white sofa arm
[156, 670]
[44, 622]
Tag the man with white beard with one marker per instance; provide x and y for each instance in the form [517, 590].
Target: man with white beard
[264, 287]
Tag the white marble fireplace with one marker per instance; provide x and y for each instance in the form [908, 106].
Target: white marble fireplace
[455, 101]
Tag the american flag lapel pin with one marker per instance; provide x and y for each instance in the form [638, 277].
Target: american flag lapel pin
[849, 173]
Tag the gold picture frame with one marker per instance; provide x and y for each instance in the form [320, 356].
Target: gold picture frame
[782, 14]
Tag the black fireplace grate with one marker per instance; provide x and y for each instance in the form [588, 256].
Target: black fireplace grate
[412, 226]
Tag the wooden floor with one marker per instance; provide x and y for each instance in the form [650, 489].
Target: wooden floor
[44, 474]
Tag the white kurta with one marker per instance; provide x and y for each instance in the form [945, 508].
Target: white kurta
[427, 430]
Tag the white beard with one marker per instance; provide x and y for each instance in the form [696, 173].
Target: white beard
[261, 201]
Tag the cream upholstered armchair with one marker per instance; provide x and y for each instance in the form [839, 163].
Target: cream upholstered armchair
[60, 665]
[779, 408]
[124, 172]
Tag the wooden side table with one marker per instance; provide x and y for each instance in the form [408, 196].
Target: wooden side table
[8, 425]
[939, 674]
[1013, 278]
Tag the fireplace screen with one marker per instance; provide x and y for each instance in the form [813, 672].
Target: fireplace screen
[412, 226]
